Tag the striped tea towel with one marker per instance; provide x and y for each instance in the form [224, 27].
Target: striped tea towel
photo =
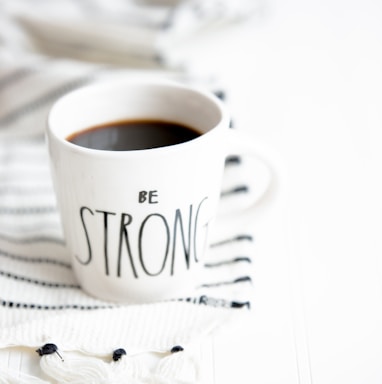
[42, 306]
[124, 32]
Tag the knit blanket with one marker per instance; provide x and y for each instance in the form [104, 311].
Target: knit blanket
[42, 306]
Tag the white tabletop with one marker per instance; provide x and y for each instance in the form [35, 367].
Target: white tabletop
[306, 78]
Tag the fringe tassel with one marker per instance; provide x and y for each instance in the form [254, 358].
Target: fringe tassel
[80, 369]
[129, 370]
[75, 370]
[8, 377]
[177, 368]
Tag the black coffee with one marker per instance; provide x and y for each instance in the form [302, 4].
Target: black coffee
[133, 134]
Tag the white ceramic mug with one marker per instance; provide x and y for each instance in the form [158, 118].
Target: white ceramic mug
[136, 222]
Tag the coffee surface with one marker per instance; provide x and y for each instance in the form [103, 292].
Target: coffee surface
[130, 135]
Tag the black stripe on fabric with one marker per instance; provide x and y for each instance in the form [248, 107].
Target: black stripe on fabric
[27, 210]
[21, 153]
[31, 239]
[19, 171]
[24, 190]
[239, 280]
[219, 93]
[241, 304]
[239, 259]
[16, 75]
[234, 239]
[214, 302]
[43, 100]
[41, 229]
[169, 21]
[47, 284]
[24, 148]
[54, 307]
[34, 260]
[235, 190]
[202, 300]
[233, 160]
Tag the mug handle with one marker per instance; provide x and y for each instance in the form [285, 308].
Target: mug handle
[249, 175]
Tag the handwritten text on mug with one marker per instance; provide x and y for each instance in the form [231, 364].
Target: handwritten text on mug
[181, 240]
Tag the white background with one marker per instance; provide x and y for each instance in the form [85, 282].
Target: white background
[306, 78]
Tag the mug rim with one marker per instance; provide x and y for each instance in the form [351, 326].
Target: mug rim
[223, 120]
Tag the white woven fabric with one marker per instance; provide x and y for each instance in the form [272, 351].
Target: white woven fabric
[39, 289]
[40, 300]
[124, 32]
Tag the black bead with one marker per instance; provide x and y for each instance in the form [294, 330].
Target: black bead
[47, 349]
[177, 348]
[118, 353]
